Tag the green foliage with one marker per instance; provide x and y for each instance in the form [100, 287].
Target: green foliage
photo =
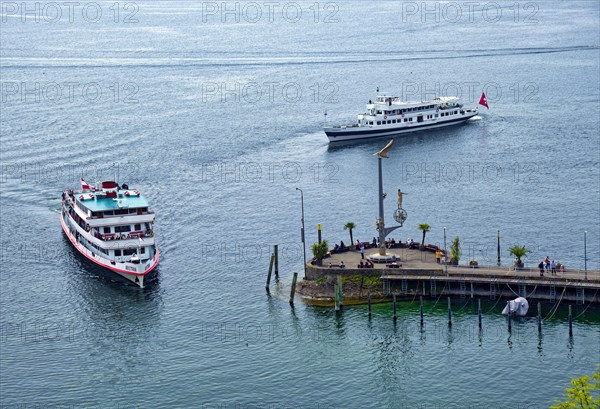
[455, 251]
[584, 393]
[320, 250]
[350, 226]
[425, 228]
[321, 280]
[519, 252]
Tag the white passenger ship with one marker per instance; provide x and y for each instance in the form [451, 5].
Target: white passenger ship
[390, 116]
[112, 226]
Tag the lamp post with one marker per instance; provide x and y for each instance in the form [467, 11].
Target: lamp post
[302, 230]
[585, 253]
[445, 254]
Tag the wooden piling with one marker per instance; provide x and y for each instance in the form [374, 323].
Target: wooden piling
[369, 304]
[472, 290]
[394, 308]
[270, 270]
[276, 253]
[449, 313]
[539, 317]
[293, 290]
[337, 297]
[509, 316]
[340, 289]
[479, 312]
[570, 321]
[421, 309]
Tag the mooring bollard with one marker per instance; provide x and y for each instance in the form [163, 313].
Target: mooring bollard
[449, 313]
[394, 308]
[270, 270]
[369, 304]
[509, 316]
[421, 309]
[539, 317]
[293, 290]
[276, 253]
[570, 321]
[479, 312]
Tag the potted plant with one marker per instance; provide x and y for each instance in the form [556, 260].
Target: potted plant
[519, 252]
[425, 228]
[319, 251]
[455, 252]
[473, 263]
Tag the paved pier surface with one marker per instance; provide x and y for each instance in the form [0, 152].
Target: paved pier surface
[422, 263]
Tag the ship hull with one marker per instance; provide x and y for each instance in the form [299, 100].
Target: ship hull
[370, 132]
[141, 278]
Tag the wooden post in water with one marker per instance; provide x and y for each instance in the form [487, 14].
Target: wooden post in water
[421, 309]
[293, 290]
[509, 316]
[471, 289]
[270, 270]
[369, 304]
[340, 289]
[337, 297]
[276, 253]
[479, 311]
[394, 308]
[449, 313]
[570, 321]
[539, 317]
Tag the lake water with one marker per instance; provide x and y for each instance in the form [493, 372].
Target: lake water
[215, 111]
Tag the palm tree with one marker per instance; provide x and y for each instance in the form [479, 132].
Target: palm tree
[519, 252]
[320, 250]
[350, 226]
[425, 227]
[455, 251]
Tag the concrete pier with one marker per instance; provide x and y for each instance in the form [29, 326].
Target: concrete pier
[417, 271]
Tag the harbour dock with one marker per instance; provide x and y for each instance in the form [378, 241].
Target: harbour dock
[417, 273]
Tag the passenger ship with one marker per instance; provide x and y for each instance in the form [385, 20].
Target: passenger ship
[112, 226]
[390, 116]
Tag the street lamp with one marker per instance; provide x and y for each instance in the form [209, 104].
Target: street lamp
[302, 230]
[585, 253]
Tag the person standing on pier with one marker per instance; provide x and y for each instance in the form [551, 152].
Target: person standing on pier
[541, 267]
[553, 267]
[362, 252]
[438, 256]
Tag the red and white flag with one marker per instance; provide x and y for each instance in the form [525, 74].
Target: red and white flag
[483, 100]
[84, 186]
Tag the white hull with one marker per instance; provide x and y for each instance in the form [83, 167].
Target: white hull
[139, 274]
[352, 133]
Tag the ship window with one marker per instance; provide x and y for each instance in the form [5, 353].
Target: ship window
[137, 227]
[106, 230]
[378, 122]
[109, 213]
[455, 112]
[122, 229]
[436, 115]
[121, 211]
[378, 112]
[129, 252]
[389, 121]
[117, 253]
[393, 121]
[142, 250]
[371, 123]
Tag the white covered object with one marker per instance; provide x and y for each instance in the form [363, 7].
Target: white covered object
[518, 306]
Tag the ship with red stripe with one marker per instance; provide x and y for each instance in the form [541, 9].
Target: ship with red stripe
[112, 226]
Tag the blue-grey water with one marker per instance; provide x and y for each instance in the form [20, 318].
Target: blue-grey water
[214, 110]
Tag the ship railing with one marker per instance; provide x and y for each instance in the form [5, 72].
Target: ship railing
[123, 236]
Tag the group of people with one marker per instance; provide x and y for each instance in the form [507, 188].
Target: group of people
[550, 267]
[365, 264]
